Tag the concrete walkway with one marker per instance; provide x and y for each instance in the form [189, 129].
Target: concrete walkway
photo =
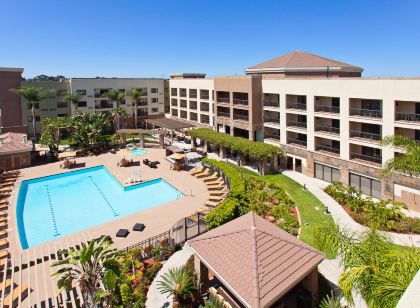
[339, 214]
[154, 298]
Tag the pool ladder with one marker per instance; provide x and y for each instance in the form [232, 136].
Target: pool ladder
[56, 233]
[103, 197]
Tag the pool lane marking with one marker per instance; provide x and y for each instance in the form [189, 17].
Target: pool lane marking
[103, 197]
[56, 233]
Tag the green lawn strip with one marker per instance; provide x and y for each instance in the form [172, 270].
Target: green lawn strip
[306, 203]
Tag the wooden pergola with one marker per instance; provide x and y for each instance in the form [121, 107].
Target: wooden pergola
[142, 132]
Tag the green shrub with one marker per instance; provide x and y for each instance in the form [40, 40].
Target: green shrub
[223, 213]
[280, 211]
[326, 235]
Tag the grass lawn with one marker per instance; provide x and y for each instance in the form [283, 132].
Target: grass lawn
[306, 203]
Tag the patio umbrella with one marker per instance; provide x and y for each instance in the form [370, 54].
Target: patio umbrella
[124, 152]
[177, 156]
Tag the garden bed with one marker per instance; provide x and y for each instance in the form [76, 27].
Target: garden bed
[384, 215]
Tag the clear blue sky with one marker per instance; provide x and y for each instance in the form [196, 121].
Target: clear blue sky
[155, 38]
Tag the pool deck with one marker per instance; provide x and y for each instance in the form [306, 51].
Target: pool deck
[157, 219]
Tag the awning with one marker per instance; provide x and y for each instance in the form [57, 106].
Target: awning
[67, 154]
[170, 124]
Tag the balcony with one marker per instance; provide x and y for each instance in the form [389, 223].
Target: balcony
[365, 135]
[272, 138]
[223, 97]
[270, 103]
[223, 114]
[327, 129]
[204, 94]
[205, 119]
[366, 113]
[296, 106]
[239, 101]
[298, 124]
[327, 148]
[298, 142]
[104, 105]
[407, 117]
[240, 117]
[367, 158]
[327, 109]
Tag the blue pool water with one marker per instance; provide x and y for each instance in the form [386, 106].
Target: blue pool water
[58, 205]
[138, 152]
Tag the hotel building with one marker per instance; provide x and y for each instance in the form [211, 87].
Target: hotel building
[327, 118]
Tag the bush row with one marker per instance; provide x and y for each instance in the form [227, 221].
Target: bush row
[255, 150]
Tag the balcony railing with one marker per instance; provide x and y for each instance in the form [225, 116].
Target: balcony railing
[327, 148]
[373, 159]
[240, 117]
[223, 114]
[410, 117]
[296, 124]
[272, 120]
[366, 113]
[104, 105]
[296, 106]
[223, 100]
[325, 108]
[205, 121]
[239, 101]
[296, 141]
[364, 135]
[268, 103]
[272, 137]
[328, 129]
[204, 96]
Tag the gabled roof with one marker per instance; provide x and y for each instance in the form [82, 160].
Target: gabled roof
[255, 259]
[301, 61]
[14, 143]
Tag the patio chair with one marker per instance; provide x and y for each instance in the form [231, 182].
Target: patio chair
[139, 227]
[211, 177]
[122, 233]
[212, 204]
[196, 170]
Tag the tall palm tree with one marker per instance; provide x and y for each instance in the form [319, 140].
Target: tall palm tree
[135, 95]
[117, 97]
[406, 163]
[33, 95]
[73, 99]
[91, 267]
[118, 115]
[179, 283]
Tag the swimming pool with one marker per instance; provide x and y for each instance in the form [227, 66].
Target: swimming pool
[138, 152]
[58, 205]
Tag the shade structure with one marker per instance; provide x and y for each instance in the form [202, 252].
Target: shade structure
[67, 154]
[124, 152]
[177, 156]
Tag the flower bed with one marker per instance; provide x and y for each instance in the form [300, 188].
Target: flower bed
[251, 192]
[385, 215]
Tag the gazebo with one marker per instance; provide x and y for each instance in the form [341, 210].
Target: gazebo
[250, 262]
[142, 132]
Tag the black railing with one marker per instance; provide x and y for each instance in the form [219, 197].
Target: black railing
[272, 120]
[325, 108]
[410, 117]
[296, 141]
[327, 148]
[223, 114]
[296, 106]
[328, 129]
[272, 136]
[296, 123]
[366, 112]
[223, 100]
[104, 105]
[238, 101]
[268, 103]
[364, 135]
[373, 159]
[240, 117]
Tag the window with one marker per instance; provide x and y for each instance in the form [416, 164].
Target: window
[155, 110]
[174, 102]
[62, 105]
[365, 185]
[326, 173]
[61, 92]
[183, 92]
[155, 100]
[142, 112]
[142, 101]
[81, 104]
[193, 93]
[37, 119]
[30, 106]
[62, 115]
[174, 92]
[154, 90]
[204, 94]
[193, 105]
[81, 92]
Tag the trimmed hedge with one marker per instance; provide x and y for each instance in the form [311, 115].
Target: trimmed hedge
[256, 150]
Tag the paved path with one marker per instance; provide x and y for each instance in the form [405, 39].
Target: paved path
[339, 214]
[154, 298]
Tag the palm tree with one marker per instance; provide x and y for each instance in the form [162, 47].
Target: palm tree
[135, 95]
[406, 163]
[73, 99]
[33, 95]
[91, 267]
[118, 115]
[118, 112]
[179, 283]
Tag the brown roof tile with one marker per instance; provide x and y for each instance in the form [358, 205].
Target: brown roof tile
[14, 142]
[258, 260]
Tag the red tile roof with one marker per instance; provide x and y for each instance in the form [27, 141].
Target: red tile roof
[13, 143]
[301, 60]
[257, 261]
